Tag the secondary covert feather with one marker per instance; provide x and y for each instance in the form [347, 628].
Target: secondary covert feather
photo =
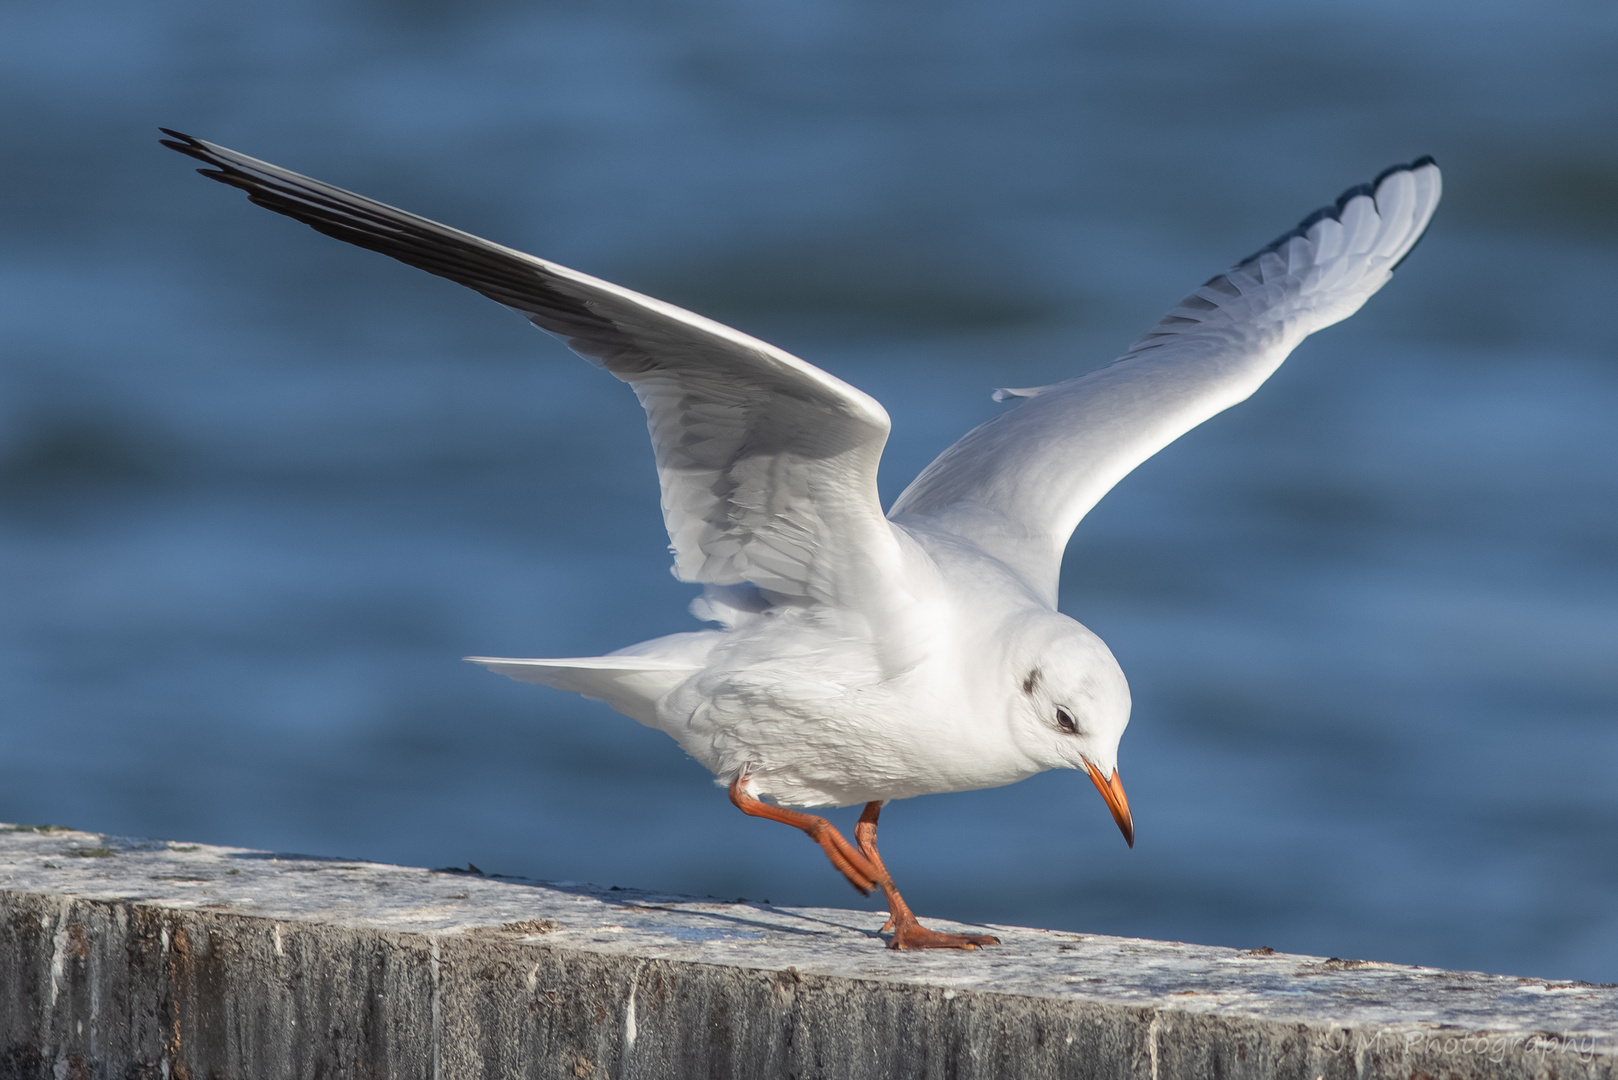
[863, 657]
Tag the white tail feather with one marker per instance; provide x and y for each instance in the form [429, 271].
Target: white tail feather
[632, 680]
[633, 685]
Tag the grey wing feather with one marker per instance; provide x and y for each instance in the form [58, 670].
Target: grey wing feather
[767, 464]
[1017, 486]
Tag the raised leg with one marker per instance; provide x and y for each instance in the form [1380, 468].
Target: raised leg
[849, 862]
[907, 932]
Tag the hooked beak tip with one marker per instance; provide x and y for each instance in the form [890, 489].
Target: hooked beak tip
[1113, 792]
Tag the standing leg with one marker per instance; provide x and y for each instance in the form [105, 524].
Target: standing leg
[907, 932]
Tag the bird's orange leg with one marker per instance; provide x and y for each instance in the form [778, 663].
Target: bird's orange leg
[907, 932]
[849, 862]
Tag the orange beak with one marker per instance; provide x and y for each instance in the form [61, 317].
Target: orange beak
[1113, 791]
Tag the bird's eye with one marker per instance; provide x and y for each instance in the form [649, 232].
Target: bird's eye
[1065, 721]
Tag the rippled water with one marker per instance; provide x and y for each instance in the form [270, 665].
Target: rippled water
[259, 491]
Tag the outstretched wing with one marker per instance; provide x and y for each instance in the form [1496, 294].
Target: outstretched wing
[768, 464]
[1018, 485]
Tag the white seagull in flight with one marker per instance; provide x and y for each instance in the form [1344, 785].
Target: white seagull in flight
[864, 656]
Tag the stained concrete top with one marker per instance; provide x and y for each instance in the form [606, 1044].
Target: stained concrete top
[827, 941]
[1387, 1001]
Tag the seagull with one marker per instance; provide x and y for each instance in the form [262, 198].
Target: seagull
[861, 657]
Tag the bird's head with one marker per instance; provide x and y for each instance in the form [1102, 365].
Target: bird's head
[1070, 702]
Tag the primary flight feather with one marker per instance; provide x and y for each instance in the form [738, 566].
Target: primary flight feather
[863, 657]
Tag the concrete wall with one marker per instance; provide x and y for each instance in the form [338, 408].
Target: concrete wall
[123, 958]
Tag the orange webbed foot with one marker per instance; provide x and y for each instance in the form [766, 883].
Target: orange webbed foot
[910, 934]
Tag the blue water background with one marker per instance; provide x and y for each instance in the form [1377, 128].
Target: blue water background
[259, 491]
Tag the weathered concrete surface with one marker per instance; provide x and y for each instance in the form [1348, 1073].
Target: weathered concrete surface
[126, 958]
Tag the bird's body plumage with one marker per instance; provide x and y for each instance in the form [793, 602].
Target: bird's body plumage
[803, 697]
[863, 656]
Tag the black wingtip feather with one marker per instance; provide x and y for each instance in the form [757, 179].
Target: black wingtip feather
[1335, 210]
[185, 144]
[179, 140]
[1420, 163]
[413, 240]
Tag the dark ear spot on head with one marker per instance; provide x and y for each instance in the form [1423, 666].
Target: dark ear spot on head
[1032, 681]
